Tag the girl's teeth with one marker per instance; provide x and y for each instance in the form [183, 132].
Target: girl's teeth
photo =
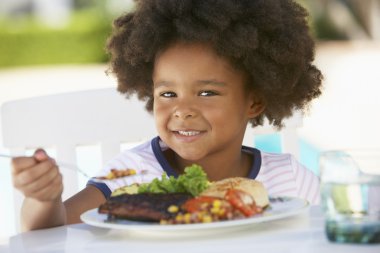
[188, 133]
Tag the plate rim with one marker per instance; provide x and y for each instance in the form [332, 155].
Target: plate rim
[88, 218]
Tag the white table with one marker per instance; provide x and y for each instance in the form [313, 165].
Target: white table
[301, 233]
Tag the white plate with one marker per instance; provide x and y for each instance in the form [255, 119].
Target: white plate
[280, 207]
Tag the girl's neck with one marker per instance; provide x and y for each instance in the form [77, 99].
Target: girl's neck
[217, 167]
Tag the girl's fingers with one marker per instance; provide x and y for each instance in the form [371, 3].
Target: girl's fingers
[41, 182]
[22, 163]
[37, 176]
[40, 155]
[52, 191]
[27, 176]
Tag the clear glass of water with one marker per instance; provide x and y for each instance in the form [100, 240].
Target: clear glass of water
[350, 187]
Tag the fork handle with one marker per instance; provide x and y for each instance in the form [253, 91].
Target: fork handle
[6, 156]
[60, 164]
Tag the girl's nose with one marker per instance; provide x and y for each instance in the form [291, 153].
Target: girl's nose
[184, 112]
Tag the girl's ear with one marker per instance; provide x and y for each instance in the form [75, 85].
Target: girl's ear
[256, 107]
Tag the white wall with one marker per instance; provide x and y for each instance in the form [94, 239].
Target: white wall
[347, 114]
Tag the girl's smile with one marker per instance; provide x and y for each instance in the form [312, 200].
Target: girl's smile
[188, 135]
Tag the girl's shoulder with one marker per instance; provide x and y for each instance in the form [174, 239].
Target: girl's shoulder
[277, 159]
[280, 165]
[284, 175]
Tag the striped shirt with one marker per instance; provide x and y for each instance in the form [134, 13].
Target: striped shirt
[283, 175]
[280, 174]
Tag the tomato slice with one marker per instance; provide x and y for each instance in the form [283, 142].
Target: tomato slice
[242, 201]
[198, 203]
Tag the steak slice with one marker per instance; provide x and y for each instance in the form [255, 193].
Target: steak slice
[142, 206]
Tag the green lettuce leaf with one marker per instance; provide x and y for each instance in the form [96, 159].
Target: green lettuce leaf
[193, 181]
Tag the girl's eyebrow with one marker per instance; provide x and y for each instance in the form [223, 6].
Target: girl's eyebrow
[163, 83]
[212, 82]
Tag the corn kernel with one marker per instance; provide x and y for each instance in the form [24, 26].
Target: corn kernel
[206, 219]
[215, 210]
[132, 172]
[110, 175]
[187, 218]
[201, 214]
[173, 209]
[216, 203]
[179, 218]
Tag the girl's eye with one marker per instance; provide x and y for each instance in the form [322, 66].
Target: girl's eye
[168, 94]
[207, 93]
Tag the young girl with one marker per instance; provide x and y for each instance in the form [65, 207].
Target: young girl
[206, 70]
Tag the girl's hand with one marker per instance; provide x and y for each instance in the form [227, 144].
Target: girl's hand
[37, 177]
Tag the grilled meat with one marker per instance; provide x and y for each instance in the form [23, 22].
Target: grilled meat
[143, 206]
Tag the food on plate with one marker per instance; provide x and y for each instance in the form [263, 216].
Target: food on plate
[227, 199]
[129, 189]
[150, 201]
[143, 206]
[193, 181]
[118, 173]
[190, 198]
[253, 187]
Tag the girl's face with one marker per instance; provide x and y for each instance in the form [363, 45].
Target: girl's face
[200, 105]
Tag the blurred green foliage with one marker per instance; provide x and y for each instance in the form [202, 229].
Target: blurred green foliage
[325, 29]
[27, 42]
[321, 25]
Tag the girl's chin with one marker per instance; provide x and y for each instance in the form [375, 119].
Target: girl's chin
[190, 156]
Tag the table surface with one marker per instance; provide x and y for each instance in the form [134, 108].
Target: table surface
[301, 233]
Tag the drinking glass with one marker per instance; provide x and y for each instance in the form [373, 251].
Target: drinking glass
[350, 188]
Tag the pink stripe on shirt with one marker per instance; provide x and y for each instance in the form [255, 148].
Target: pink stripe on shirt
[281, 174]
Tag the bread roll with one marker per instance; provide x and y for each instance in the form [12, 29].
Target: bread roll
[250, 186]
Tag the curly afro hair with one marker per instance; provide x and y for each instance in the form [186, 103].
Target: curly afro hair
[268, 39]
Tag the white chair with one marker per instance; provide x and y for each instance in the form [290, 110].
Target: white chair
[64, 121]
[102, 117]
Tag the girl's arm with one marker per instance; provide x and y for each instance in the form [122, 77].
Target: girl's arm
[38, 178]
[89, 198]
[37, 215]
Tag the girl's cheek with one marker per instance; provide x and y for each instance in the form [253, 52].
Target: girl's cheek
[161, 108]
[161, 114]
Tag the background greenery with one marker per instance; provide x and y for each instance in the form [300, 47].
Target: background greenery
[26, 41]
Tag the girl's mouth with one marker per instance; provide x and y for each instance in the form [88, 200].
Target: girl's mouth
[188, 133]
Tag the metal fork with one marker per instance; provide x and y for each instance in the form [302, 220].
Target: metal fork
[59, 164]
[77, 169]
